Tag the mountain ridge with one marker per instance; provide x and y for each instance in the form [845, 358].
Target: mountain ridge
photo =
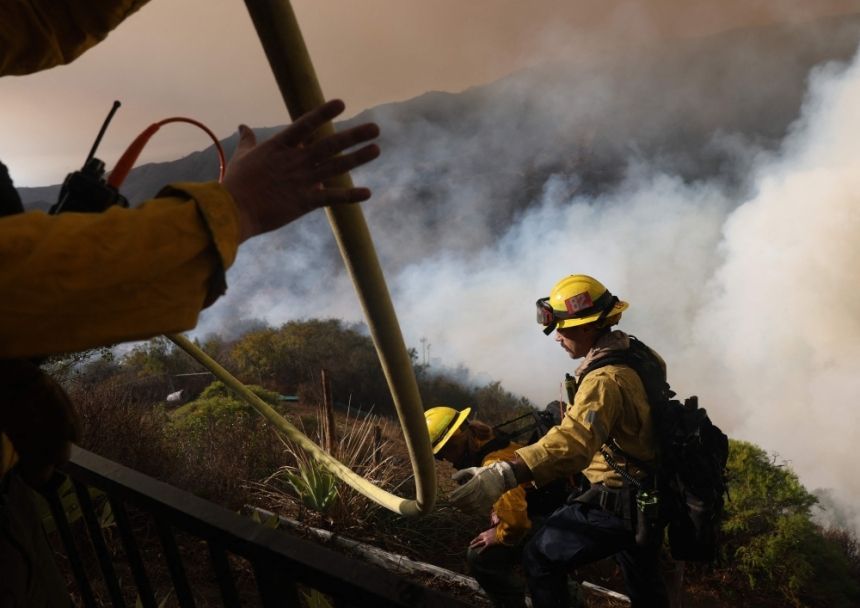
[458, 169]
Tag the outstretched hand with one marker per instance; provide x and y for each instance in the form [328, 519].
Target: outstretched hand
[281, 179]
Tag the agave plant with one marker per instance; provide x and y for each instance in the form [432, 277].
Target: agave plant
[312, 484]
[359, 445]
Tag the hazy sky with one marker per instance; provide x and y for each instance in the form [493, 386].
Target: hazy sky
[201, 58]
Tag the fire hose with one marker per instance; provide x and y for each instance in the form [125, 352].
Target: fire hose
[288, 57]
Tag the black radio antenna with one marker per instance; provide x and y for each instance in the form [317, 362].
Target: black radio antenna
[116, 105]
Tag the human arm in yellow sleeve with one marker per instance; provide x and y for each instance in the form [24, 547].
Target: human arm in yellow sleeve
[565, 450]
[79, 280]
[568, 448]
[73, 281]
[40, 34]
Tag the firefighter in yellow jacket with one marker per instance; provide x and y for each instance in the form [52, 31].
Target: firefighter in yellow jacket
[493, 554]
[610, 406]
[75, 281]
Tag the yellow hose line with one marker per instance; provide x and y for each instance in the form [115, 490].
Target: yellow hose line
[291, 65]
[337, 468]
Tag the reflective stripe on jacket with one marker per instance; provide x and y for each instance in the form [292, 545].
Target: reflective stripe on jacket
[79, 280]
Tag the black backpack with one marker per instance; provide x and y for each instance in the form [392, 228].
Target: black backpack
[692, 452]
[531, 426]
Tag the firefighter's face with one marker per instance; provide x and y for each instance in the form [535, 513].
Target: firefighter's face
[577, 341]
[456, 450]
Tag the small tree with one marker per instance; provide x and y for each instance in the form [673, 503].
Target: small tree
[771, 537]
[496, 405]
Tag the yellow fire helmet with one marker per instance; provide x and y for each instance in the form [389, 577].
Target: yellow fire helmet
[576, 300]
[442, 423]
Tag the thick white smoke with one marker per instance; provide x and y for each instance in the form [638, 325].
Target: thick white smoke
[783, 314]
[752, 299]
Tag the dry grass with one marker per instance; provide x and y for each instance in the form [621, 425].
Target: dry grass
[373, 447]
[114, 425]
[362, 443]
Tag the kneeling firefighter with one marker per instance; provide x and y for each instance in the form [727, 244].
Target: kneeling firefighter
[607, 435]
[494, 553]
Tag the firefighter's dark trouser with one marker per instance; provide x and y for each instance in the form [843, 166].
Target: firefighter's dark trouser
[28, 575]
[579, 534]
[494, 569]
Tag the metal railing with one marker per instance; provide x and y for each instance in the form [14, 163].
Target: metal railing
[282, 565]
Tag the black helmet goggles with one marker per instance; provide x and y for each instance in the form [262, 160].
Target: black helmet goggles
[549, 316]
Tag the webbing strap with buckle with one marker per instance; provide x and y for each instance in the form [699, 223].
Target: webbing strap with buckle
[617, 502]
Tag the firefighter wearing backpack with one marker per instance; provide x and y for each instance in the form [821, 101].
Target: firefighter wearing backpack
[493, 554]
[610, 406]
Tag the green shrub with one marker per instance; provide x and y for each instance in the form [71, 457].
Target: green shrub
[293, 355]
[223, 443]
[495, 405]
[771, 538]
[217, 404]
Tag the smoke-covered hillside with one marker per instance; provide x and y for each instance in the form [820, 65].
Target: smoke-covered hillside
[690, 107]
[712, 184]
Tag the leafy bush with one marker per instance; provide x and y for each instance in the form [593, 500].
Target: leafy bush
[490, 403]
[223, 444]
[218, 405]
[440, 389]
[291, 357]
[771, 537]
[159, 357]
[495, 405]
